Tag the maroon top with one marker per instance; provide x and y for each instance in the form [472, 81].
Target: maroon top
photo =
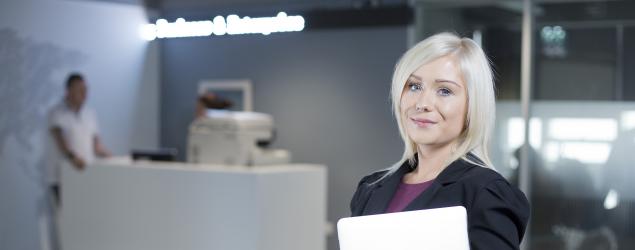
[405, 194]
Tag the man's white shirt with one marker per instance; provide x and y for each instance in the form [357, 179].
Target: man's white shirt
[78, 130]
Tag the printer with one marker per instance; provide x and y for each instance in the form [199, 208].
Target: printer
[233, 138]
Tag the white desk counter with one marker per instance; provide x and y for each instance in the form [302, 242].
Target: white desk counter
[122, 205]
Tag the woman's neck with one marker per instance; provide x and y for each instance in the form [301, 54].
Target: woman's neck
[431, 161]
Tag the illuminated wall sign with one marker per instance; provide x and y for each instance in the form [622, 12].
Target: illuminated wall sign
[232, 25]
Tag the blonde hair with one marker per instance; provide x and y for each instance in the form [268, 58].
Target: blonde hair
[476, 72]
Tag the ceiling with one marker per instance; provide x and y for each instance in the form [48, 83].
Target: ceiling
[547, 10]
[171, 5]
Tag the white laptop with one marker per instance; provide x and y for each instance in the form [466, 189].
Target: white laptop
[430, 229]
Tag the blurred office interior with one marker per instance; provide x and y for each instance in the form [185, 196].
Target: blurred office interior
[565, 80]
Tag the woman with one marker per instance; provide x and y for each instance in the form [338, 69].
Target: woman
[443, 100]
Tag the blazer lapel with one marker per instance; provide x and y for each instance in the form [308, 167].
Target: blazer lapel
[382, 194]
[448, 176]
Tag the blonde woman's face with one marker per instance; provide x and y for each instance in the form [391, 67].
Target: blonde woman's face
[434, 103]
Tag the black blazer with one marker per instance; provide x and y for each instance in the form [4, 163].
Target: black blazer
[497, 211]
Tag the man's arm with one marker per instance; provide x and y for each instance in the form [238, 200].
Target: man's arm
[78, 162]
[100, 149]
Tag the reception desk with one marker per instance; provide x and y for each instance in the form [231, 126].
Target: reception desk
[123, 205]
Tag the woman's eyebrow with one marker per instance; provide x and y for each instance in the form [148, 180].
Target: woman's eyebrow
[415, 77]
[446, 80]
[436, 80]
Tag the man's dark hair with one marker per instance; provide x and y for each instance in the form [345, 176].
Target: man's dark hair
[73, 78]
[212, 102]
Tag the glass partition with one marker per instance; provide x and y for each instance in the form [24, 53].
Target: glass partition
[582, 123]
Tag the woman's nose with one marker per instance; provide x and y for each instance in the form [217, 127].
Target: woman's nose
[425, 101]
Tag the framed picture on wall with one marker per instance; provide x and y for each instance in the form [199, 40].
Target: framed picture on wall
[238, 92]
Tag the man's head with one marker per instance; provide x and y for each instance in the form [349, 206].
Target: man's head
[76, 90]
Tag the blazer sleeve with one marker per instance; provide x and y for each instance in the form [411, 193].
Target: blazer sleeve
[498, 218]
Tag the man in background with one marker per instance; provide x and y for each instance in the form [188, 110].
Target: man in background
[74, 130]
[210, 101]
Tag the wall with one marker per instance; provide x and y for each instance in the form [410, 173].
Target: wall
[629, 59]
[327, 91]
[40, 43]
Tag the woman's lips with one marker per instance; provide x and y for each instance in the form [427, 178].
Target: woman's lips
[423, 122]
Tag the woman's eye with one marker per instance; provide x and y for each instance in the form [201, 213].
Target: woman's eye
[414, 86]
[444, 92]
